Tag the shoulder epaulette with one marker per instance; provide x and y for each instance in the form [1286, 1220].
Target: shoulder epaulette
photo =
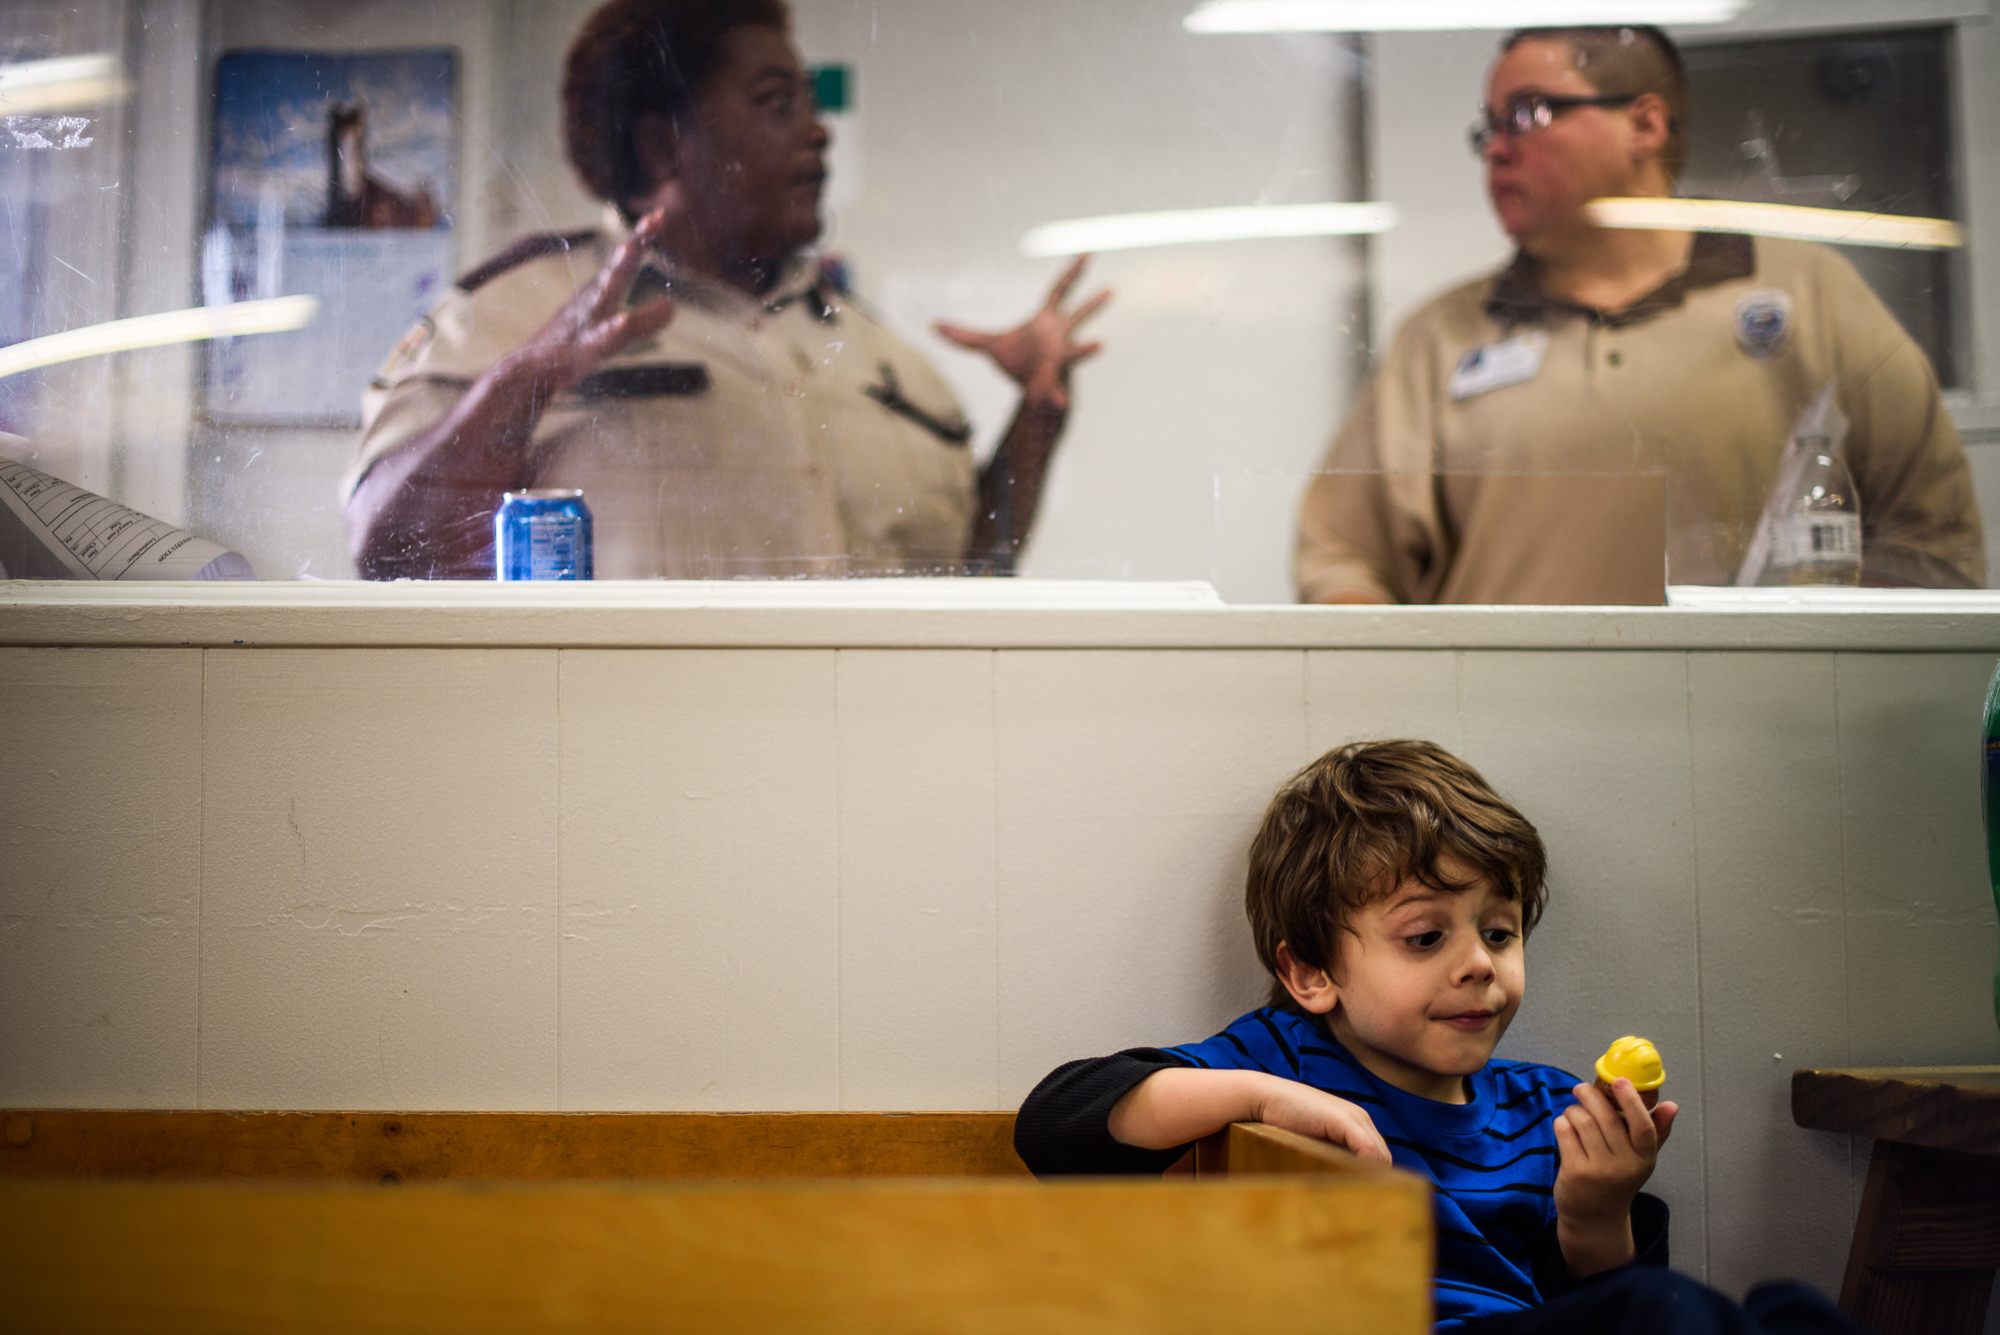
[518, 254]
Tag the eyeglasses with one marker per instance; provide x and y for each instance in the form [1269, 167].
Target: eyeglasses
[1527, 113]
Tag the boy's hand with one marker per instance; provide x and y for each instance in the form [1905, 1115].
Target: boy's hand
[1180, 1104]
[1609, 1146]
[1323, 1116]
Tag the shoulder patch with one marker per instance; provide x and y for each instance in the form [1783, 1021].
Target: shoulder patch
[1764, 322]
[405, 351]
[518, 254]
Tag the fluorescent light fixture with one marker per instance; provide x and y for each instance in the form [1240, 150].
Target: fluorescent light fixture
[274, 316]
[1255, 222]
[34, 87]
[1436, 15]
[1841, 227]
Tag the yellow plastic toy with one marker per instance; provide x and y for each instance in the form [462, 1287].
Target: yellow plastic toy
[1638, 1061]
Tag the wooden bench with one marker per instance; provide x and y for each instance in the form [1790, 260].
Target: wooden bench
[117, 1221]
[1927, 1233]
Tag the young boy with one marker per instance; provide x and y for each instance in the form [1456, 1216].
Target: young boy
[1390, 892]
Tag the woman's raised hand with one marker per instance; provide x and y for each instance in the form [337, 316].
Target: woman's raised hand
[595, 323]
[1038, 353]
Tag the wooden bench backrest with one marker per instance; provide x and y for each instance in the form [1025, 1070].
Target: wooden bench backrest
[1252, 1147]
[436, 1147]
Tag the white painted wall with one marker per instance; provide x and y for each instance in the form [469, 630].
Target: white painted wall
[820, 874]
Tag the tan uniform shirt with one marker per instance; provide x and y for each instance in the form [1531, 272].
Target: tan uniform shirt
[780, 436]
[1644, 434]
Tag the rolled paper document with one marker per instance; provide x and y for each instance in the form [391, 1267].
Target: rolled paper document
[1638, 1061]
[52, 529]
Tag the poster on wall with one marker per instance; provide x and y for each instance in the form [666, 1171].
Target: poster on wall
[335, 177]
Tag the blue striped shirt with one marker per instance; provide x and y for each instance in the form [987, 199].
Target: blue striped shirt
[1492, 1159]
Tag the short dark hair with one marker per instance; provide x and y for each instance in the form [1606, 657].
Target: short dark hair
[1348, 828]
[632, 57]
[1627, 60]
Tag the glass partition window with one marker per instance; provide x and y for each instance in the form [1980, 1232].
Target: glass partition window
[824, 294]
[1850, 121]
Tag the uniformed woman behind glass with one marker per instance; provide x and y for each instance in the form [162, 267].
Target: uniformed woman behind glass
[725, 409]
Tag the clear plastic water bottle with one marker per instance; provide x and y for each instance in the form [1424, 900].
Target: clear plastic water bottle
[1818, 527]
[1989, 804]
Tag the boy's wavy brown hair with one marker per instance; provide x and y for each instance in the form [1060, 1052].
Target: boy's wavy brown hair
[1346, 829]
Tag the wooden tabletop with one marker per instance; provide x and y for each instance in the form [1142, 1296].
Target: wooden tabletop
[1943, 1107]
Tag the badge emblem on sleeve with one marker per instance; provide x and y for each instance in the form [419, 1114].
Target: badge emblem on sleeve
[1763, 323]
[404, 354]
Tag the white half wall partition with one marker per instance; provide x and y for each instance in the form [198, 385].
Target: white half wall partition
[494, 847]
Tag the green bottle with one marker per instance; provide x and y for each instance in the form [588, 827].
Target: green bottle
[1989, 806]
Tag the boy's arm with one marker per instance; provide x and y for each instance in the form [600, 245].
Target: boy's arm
[1064, 1124]
[1136, 1111]
[1650, 1220]
[1173, 1107]
[1609, 1145]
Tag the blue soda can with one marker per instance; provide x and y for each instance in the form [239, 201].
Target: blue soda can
[542, 535]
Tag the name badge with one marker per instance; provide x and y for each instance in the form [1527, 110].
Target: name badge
[1498, 365]
[644, 382]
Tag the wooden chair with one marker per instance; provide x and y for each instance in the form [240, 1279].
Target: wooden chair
[810, 1222]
